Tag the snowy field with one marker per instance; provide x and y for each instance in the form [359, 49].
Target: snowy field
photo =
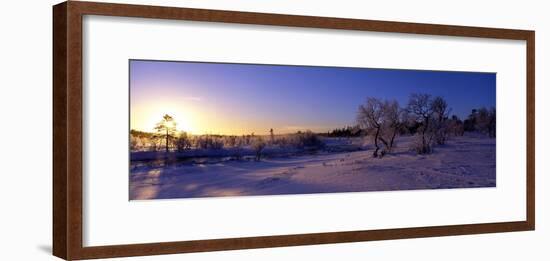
[464, 162]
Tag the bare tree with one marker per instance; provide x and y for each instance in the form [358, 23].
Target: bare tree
[440, 112]
[393, 118]
[433, 116]
[370, 116]
[166, 129]
[420, 106]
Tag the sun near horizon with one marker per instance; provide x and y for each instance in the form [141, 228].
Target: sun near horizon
[241, 99]
[184, 122]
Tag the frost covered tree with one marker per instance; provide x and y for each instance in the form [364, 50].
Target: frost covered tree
[369, 116]
[393, 118]
[166, 129]
[420, 105]
[384, 119]
[440, 114]
[432, 115]
[258, 147]
[183, 141]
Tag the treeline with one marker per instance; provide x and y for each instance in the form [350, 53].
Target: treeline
[181, 141]
[424, 116]
[348, 131]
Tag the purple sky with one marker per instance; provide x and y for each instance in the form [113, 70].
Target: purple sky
[242, 98]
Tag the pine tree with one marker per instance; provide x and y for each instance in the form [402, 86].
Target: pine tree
[166, 128]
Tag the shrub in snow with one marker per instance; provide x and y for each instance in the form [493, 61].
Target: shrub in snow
[258, 146]
[455, 126]
[420, 147]
[134, 143]
[201, 142]
[209, 142]
[286, 141]
[230, 141]
[140, 141]
[307, 140]
[482, 120]
[154, 144]
[217, 143]
[183, 142]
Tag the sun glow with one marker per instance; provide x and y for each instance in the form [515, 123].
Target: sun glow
[145, 118]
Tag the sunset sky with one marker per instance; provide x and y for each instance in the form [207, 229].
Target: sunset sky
[236, 99]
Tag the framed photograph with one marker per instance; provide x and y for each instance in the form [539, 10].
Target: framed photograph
[186, 130]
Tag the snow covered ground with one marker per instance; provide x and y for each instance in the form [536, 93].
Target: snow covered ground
[464, 162]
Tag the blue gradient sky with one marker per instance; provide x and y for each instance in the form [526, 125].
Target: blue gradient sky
[241, 98]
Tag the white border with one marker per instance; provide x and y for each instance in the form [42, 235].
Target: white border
[109, 218]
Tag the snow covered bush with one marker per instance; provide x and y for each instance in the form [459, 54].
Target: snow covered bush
[154, 144]
[209, 142]
[281, 141]
[258, 146]
[482, 120]
[307, 140]
[183, 142]
[134, 143]
[456, 126]
[230, 141]
[217, 144]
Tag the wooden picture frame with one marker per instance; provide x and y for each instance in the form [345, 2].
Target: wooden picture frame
[68, 145]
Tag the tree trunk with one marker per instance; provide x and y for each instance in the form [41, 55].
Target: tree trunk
[166, 140]
[426, 123]
[393, 138]
[375, 154]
